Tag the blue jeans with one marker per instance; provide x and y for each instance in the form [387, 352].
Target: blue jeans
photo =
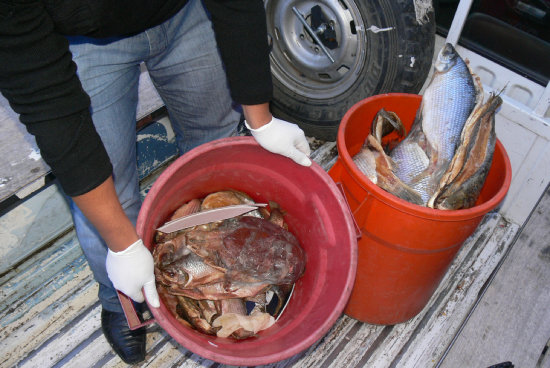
[182, 58]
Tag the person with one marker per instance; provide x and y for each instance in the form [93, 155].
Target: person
[70, 69]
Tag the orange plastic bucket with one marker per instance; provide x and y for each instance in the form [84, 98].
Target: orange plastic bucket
[315, 212]
[405, 249]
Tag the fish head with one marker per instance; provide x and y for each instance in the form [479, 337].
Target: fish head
[446, 58]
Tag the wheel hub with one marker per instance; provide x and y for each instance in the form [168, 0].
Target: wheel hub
[323, 27]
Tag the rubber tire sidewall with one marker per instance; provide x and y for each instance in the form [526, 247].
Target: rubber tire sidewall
[395, 61]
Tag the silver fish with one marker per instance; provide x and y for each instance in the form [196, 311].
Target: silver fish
[464, 179]
[422, 157]
[222, 290]
[188, 272]
[379, 167]
[444, 160]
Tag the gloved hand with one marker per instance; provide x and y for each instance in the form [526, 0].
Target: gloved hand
[283, 138]
[132, 269]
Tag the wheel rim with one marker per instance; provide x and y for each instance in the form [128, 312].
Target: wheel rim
[299, 62]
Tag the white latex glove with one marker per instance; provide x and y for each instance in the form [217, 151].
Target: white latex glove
[132, 269]
[284, 138]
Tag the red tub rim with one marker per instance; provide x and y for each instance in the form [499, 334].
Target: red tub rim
[317, 332]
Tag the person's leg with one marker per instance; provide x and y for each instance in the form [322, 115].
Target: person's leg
[109, 73]
[186, 68]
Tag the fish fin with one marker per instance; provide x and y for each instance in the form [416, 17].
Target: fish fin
[386, 122]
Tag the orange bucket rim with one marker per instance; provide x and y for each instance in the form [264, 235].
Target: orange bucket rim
[401, 204]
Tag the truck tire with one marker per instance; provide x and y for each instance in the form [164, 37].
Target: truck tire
[376, 46]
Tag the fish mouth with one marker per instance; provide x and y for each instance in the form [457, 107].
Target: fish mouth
[446, 58]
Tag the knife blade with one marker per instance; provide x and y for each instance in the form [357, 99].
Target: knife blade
[204, 217]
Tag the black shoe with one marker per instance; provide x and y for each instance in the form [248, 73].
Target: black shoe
[128, 344]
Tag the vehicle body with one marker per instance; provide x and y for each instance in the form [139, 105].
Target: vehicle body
[49, 314]
[326, 55]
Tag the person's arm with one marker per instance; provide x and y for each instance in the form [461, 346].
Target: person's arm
[257, 115]
[102, 207]
[276, 135]
[38, 77]
[129, 264]
[241, 34]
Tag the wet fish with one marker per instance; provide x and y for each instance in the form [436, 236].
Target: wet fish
[188, 272]
[191, 311]
[206, 273]
[251, 250]
[221, 290]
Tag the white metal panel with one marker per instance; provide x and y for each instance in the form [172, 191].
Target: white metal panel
[458, 21]
[523, 127]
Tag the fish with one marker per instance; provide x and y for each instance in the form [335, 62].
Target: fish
[464, 179]
[225, 318]
[379, 167]
[191, 311]
[276, 215]
[187, 208]
[236, 323]
[443, 162]
[225, 198]
[384, 123]
[241, 325]
[228, 322]
[251, 250]
[206, 273]
[424, 155]
[221, 290]
[188, 272]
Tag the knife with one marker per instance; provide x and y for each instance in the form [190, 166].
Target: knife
[204, 217]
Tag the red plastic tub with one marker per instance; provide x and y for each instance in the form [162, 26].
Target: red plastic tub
[405, 249]
[316, 213]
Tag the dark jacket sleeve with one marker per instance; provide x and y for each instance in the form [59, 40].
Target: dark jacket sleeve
[38, 77]
[241, 34]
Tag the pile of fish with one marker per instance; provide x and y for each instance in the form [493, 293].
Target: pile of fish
[208, 275]
[444, 160]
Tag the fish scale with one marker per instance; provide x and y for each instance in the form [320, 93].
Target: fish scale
[446, 106]
[410, 161]
[424, 155]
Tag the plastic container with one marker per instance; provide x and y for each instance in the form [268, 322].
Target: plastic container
[405, 249]
[316, 213]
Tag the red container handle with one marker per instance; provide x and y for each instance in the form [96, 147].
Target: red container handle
[358, 232]
[134, 322]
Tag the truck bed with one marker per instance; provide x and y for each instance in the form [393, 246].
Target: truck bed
[50, 316]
